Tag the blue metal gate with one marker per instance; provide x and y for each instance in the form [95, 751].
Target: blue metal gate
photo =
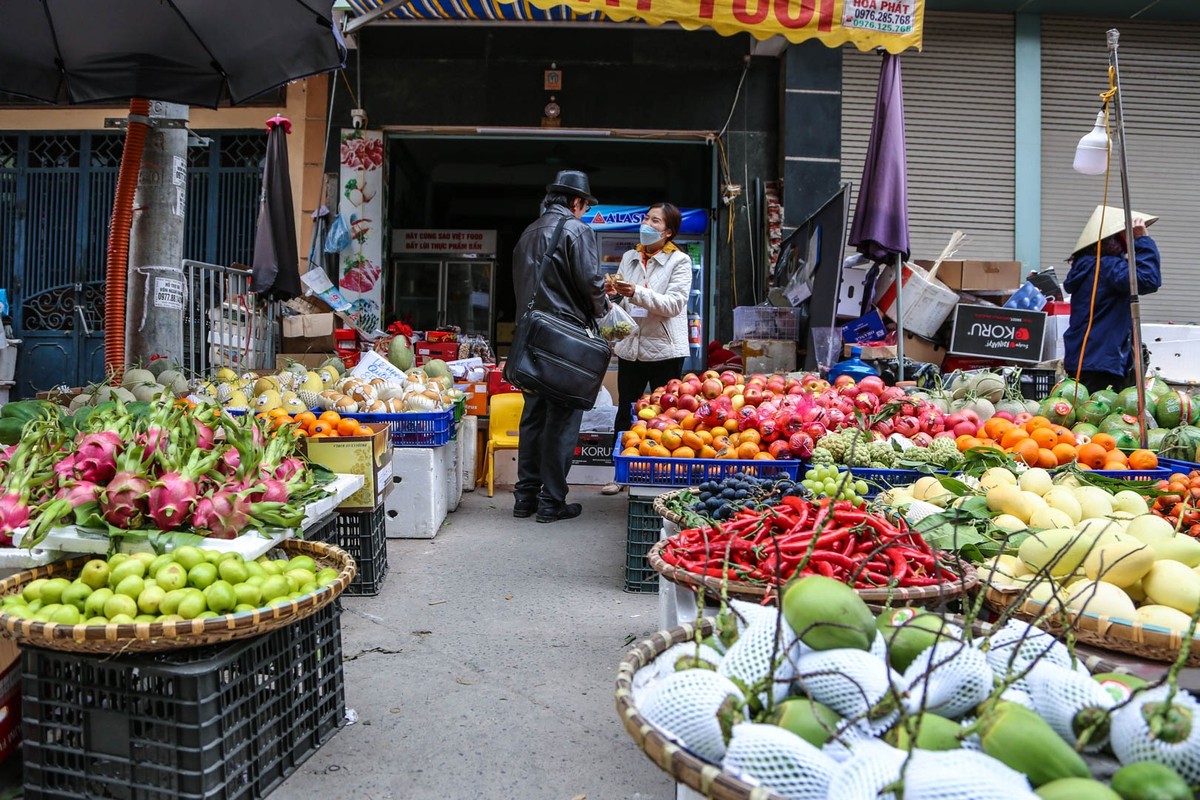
[56, 195]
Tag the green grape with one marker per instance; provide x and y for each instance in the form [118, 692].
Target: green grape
[860, 487]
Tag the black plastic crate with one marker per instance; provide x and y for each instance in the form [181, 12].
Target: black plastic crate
[362, 536]
[645, 527]
[1036, 384]
[225, 721]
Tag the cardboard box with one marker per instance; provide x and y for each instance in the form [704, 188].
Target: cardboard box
[369, 456]
[310, 360]
[915, 349]
[851, 289]
[496, 382]
[594, 450]
[869, 328]
[427, 351]
[978, 276]
[310, 333]
[477, 397]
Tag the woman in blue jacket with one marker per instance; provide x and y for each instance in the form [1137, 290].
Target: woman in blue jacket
[1100, 334]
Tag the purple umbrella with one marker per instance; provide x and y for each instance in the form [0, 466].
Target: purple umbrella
[880, 227]
[276, 259]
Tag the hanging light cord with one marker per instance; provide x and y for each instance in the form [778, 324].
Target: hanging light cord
[1105, 98]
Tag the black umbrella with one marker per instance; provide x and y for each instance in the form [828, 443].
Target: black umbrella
[193, 52]
[880, 227]
[276, 272]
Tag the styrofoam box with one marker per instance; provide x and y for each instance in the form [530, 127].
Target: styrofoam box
[454, 470]
[418, 503]
[506, 472]
[8, 360]
[1174, 351]
[6, 391]
[468, 436]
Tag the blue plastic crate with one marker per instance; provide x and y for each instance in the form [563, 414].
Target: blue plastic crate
[1136, 474]
[880, 480]
[413, 429]
[656, 471]
[1172, 465]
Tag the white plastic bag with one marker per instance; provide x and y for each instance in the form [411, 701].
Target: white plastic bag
[616, 324]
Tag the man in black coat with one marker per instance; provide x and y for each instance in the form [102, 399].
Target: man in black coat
[571, 286]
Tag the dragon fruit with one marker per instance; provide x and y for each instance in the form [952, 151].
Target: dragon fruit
[79, 493]
[206, 437]
[64, 468]
[123, 502]
[173, 496]
[223, 515]
[270, 491]
[14, 513]
[288, 468]
[96, 456]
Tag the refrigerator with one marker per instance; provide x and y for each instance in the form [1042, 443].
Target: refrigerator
[617, 231]
[429, 292]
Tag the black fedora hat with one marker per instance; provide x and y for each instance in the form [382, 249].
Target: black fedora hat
[572, 181]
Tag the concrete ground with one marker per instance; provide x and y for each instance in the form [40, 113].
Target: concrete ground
[486, 666]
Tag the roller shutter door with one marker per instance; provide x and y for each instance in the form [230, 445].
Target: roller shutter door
[1160, 78]
[959, 127]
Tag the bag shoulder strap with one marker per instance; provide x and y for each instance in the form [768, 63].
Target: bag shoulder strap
[554, 240]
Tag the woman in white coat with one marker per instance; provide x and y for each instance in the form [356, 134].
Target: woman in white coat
[654, 289]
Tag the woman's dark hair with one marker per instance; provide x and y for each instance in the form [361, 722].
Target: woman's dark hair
[671, 216]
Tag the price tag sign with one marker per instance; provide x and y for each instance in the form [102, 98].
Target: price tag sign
[1005, 333]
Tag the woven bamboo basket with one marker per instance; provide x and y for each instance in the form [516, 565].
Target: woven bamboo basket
[1122, 636]
[922, 596]
[144, 637]
[691, 770]
[660, 507]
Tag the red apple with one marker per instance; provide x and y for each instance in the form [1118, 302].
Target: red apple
[710, 373]
[689, 387]
[873, 384]
[752, 394]
[842, 380]
[679, 414]
[688, 402]
[730, 378]
[669, 400]
[711, 388]
[673, 385]
[640, 403]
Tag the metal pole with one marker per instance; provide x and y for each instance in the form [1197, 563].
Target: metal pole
[1134, 304]
[157, 292]
[899, 317]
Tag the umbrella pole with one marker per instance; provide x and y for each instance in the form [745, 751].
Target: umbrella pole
[899, 317]
[1134, 304]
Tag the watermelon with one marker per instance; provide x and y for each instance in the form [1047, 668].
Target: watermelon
[1107, 394]
[1173, 409]
[1084, 431]
[1093, 411]
[1072, 390]
[1180, 443]
[1127, 401]
[1058, 410]
[1116, 422]
[1156, 387]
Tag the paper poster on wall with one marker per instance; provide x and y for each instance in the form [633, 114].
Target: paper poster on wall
[361, 177]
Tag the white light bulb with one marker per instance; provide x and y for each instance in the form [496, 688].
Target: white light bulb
[1091, 154]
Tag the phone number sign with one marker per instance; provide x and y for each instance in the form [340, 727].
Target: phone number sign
[884, 16]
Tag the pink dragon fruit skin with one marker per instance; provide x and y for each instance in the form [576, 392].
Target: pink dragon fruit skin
[64, 468]
[7, 453]
[96, 456]
[273, 491]
[13, 514]
[231, 459]
[172, 501]
[154, 441]
[288, 468]
[123, 501]
[79, 493]
[206, 437]
[223, 515]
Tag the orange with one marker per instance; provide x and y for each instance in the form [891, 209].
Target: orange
[1011, 438]
[692, 439]
[630, 451]
[689, 422]
[747, 450]
[683, 452]
[644, 447]
[658, 451]
[306, 419]
[1034, 423]
[1091, 455]
[324, 428]
[1045, 437]
[347, 427]
[1117, 456]
[672, 439]
[763, 455]
[751, 435]
[280, 420]
[1143, 459]
[1026, 450]
[1106, 441]
[1065, 453]
[707, 452]
[654, 435]
[1065, 436]
[330, 416]
[1046, 458]
[277, 412]
[301, 432]
[630, 438]
[705, 436]
[1115, 466]
[965, 442]
[996, 427]
[318, 435]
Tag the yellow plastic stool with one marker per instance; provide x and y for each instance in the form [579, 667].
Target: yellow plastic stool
[504, 430]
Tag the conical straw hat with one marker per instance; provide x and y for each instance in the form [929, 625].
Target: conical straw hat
[1114, 222]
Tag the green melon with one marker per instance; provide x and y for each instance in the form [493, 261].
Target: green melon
[436, 368]
[1127, 401]
[1082, 429]
[1094, 410]
[1072, 390]
[1156, 387]
[1173, 409]
[1058, 409]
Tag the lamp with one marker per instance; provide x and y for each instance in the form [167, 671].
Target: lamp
[1091, 154]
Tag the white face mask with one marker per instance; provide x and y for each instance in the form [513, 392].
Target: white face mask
[649, 234]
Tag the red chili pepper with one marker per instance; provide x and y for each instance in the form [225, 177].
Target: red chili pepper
[899, 564]
[834, 557]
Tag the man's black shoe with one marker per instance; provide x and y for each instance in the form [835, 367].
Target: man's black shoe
[523, 510]
[568, 511]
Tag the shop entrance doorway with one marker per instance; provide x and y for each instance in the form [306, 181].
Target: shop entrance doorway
[458, 180]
